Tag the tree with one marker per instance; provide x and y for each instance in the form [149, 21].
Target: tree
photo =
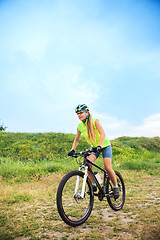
[2, 127]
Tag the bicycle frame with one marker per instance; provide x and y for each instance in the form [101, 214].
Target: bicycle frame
[86, 165]
[84, 183]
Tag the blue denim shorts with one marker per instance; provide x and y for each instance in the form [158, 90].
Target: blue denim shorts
[106, 152]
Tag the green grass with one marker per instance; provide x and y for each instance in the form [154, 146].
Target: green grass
[31, 167]
[25, 156]
[23, 171]
[28, 211]
[36, 146]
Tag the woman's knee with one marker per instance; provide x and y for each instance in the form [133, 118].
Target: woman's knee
[108, 169]
[92, 158]
[107, 163]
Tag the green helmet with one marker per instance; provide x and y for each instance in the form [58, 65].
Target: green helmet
[81, 107]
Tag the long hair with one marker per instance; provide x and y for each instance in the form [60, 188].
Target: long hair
[91, 129]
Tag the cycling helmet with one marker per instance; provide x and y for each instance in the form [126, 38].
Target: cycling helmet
[81, 107]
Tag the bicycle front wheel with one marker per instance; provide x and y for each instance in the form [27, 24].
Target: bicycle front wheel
[118, 203]
[73, 209]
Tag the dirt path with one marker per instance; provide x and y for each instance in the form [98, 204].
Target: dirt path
[28, 211]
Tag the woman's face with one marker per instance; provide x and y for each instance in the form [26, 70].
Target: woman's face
[81, 115]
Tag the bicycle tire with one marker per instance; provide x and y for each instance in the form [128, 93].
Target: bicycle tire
[71, 209]
[117, 204]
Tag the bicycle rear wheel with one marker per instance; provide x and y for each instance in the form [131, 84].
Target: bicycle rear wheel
[73, 209]
[118, 203]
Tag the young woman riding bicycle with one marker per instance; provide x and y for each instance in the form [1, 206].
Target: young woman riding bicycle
[92, 130]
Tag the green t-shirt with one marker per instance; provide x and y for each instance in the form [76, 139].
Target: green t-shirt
[82, 127]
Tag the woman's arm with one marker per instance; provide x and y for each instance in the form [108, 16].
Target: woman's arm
[101, 132]
[76, 140]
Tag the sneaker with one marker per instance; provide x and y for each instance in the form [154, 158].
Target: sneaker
[116, 192]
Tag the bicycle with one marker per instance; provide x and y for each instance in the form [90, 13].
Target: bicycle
[75, 196]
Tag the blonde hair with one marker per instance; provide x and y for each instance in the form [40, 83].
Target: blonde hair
[91, 129]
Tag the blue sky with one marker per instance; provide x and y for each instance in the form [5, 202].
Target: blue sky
[57, 54]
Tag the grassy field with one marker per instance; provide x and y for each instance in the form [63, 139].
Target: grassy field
[28, 211]
[29, 184]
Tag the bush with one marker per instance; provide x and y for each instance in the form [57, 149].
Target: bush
[30, 155]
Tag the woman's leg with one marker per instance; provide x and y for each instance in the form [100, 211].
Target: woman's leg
[111, 173]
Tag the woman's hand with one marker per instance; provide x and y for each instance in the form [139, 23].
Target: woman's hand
[71, 153]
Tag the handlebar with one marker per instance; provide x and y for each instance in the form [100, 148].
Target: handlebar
[85, 153]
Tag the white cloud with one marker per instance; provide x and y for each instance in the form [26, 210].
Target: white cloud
[150, 127]
[65, 90]
[66, 86]
[47, 49]
[115, 127]
[50, 97]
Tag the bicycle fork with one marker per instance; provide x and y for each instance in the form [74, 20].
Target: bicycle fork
[76, 195]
